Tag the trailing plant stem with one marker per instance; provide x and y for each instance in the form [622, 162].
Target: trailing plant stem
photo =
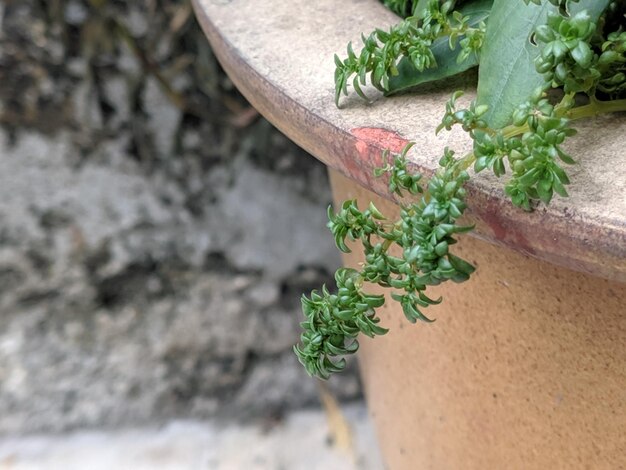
[594, 108]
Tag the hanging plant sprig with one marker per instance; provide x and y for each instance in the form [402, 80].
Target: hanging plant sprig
[422, 236]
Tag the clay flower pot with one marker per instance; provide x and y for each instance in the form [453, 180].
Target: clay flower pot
[525, 367]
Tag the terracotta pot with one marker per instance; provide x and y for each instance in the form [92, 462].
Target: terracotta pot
[525, 367]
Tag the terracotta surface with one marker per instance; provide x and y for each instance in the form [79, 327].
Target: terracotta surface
[280, 55]
[524, 367]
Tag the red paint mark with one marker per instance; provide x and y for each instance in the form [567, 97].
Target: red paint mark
[361, 147]
[503, 231]
[370, 142]
[379, 138]
[495, 224]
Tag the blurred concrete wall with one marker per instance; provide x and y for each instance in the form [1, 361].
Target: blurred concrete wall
[155, 234]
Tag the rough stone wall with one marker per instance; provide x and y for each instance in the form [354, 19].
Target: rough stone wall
[155, 233]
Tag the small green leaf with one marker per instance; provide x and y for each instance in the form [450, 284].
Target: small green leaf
[460, 264]
[582, 54]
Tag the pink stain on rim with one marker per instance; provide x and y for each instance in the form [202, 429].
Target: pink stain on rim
[379, 138]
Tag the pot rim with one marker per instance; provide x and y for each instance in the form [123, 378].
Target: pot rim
[280, 56]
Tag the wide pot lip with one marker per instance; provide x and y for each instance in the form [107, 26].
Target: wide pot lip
[284, 68]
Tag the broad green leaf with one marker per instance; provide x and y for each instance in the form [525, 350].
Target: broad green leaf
[507, 75]
[595, 8]
[420, 7]
[446, 58]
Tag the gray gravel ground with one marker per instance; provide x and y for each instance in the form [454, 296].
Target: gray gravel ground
[299, 442]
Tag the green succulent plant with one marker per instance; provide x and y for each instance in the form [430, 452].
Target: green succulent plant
[542, 65]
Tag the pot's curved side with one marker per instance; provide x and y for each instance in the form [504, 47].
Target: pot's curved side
[280, 56]
[525, 367]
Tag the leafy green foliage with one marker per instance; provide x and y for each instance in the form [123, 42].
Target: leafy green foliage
[333, 321]
[612, 65]
[413, 39]
[530, 48]
[403, 8]
[569, 59]
[530, 147]
[531, 156]
[450, 60]
[423, 235]
[507, 79]
[399, 178]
